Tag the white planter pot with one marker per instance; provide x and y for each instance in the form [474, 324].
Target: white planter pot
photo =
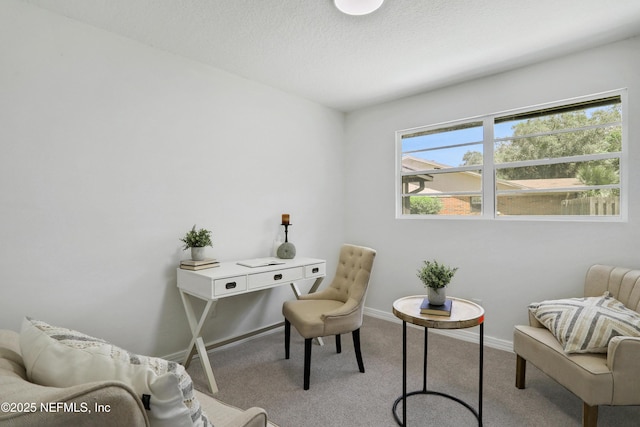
[197, 254]
[437, 296]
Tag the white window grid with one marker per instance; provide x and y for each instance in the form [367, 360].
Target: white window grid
[489, 192]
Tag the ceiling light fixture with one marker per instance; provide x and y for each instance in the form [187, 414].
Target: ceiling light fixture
[358, 7]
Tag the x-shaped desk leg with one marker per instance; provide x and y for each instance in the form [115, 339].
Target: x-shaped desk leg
[197, 343]
[313, 288]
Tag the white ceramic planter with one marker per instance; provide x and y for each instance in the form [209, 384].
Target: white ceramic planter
[197, 254]
[437, 296]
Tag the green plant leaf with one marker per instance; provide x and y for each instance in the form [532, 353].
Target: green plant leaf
[435, 275]
[197, 239]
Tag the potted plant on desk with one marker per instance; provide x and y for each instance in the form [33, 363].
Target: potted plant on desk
[436, 277]
[197, 241]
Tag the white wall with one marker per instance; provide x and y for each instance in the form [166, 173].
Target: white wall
[507, 264]
[110, 151]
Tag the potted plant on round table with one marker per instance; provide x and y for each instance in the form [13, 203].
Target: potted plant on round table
[197, 240]
[436, 277]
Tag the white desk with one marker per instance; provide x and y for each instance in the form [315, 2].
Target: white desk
[230, 279]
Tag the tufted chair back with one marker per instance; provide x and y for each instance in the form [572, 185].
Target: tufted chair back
[352, 273]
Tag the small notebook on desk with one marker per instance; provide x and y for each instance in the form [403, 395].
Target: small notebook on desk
[260, 262]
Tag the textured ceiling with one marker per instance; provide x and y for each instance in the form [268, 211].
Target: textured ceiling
[308, 48]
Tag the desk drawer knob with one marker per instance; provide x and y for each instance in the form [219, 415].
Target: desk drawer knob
[277, 277]
[315, 269]
[230, 285]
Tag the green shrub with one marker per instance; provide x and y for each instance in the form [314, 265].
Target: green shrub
[424, 205]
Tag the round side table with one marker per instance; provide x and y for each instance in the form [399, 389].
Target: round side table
[464, 314]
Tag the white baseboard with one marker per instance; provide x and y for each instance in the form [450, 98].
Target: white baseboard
[463, 335]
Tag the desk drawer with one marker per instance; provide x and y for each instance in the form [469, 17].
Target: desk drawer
[230, 285]
[315, 270]
[276, 277]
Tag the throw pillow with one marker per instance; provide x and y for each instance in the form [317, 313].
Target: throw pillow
[586, 325]
[61, 357]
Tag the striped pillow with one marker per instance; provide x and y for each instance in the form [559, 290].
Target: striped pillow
[586, 325]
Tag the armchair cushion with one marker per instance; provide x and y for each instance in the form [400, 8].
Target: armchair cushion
[586, 325]
[61, 357]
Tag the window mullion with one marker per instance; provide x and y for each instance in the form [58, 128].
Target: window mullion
[424, 150]
[571, 159]
[489, 207]
[471, 168]
[560, 189]
[560, 131]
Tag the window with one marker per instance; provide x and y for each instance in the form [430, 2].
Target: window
[562, 161]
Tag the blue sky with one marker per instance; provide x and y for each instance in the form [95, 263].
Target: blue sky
[452, 156]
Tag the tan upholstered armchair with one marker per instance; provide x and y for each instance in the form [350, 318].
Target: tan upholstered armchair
[611, 378]
[336, 310]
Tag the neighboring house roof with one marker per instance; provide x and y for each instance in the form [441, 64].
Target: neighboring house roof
[412, 164]
[415, 164]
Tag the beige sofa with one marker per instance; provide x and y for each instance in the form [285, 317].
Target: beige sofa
[28, 404]
[611, 378]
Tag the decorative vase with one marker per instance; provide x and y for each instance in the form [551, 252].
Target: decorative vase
[286, 251]
[437, 296]
[197, 254]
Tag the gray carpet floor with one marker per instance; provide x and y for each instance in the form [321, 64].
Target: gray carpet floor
[255, 373]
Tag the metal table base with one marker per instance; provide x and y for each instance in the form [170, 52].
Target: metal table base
[403, 398]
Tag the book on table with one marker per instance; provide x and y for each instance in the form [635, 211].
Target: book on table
[189, 264]
[199, 267]
[436, 310]
[199, 262]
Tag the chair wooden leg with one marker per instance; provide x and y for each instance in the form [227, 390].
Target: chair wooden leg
[356, 345]
[521, 372]
[287, 337]
[307, 361]
[338, 344]
[589, 415]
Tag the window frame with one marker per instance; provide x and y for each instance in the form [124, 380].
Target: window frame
[488, 168]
